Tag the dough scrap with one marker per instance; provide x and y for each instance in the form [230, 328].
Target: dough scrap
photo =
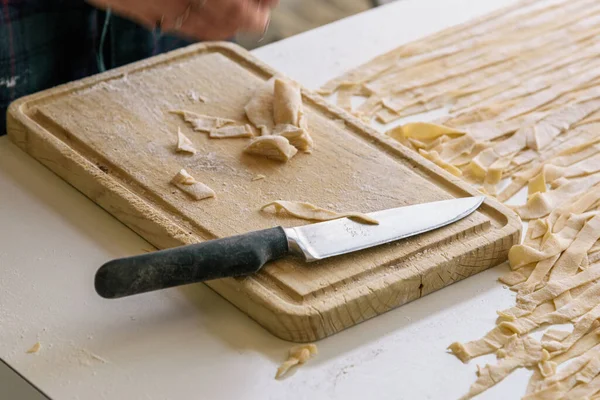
[184, 145]
[276, 109]
[204, 123]
[313, 213]
[518, 353]
[435, 158]
[35, 348]
[259, 109]
[427, 130]
[287, 103]
[197, 190]
[258, 177]
[298, 355]
[231, 131]
[514, 278]
[298, 137]
[274, 147]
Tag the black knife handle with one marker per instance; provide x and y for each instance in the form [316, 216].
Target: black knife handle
[220, 258]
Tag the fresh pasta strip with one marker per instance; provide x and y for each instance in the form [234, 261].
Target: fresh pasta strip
[313, 213]
[231, 131]
[298, 355]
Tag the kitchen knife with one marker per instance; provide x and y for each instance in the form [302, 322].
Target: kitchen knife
[245, 254]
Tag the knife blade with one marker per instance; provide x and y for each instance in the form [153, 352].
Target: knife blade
[246, 254]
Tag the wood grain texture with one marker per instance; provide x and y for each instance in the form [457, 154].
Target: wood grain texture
[112, 138]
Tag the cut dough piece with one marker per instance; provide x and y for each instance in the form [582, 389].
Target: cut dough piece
[427, 130]
[452, 150]
[541, 204]
[553, 289]
[204, 123]
[184, 145]
[541, 134]
[494, 340]
[582, 327]
[35, 348]
[584, 390]
[298, 355]
[434, 157]
[298, 137]
[187, 183]
[275, 147]
[516, 277]
[398, 134]
[231, 131]
[259, 109]
[258, 177]
[311, 212]
[518, 353]
[287, 103]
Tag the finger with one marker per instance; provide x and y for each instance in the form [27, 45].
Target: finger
[202, 29]
[224, 18]
[235, 15]
[268, 3]
[227, 15]
[176, 22]
[255, 17]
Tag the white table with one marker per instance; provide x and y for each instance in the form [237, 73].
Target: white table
[188, 342]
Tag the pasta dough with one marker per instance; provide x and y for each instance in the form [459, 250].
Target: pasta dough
[204, 123]
[259, 109]
[298, 355]
[435, 157]
[231, 131]
[287, 103]
[35, 348]
[298, 137]
[184, 145]
[519, 352]
[197, 190]
[216, 127]
[276, 109]
[426, 130]
[522, 89]
[314, 213]
[274, 147]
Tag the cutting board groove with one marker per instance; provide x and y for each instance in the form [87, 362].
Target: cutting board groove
[112, 138]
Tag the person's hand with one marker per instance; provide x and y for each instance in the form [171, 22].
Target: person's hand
[197, 19]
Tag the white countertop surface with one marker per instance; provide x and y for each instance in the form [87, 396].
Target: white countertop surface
[189, 343]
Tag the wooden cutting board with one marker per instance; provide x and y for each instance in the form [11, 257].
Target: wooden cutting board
[111, 137]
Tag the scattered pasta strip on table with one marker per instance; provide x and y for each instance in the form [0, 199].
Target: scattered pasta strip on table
[521, 90]
[298, 355]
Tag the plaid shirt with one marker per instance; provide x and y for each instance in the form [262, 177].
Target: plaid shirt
[44, 43]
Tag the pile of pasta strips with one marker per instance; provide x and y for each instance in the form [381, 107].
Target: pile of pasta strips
[522, 91]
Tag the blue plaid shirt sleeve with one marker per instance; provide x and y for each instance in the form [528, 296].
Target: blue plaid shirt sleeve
[44, 43]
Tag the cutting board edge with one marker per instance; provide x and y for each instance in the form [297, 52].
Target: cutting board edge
[285, 320]
[309, 322]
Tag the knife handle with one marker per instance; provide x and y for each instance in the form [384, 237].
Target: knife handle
[220, 258]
